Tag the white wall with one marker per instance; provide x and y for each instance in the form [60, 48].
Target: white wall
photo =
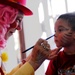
[33, 29]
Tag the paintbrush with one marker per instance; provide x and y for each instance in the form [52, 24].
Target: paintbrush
[33, 46]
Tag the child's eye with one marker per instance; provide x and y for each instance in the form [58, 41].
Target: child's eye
[60, 30]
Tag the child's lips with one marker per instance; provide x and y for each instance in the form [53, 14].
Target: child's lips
[56, 40]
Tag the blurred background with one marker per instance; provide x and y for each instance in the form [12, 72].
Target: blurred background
[39, 25]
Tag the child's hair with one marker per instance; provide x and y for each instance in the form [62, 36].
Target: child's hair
[70, 18]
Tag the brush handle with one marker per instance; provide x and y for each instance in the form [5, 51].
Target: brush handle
[33, 46]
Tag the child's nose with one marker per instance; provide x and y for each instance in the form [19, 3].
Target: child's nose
[56, 34]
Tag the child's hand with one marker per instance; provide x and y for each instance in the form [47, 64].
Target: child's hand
[54, 53]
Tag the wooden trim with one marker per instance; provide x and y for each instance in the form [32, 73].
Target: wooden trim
[22, 43]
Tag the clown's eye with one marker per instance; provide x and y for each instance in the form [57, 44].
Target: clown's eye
[18, 20]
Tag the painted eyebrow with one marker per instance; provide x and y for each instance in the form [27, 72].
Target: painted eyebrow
[63, 28]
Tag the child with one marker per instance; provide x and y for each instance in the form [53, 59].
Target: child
[64, 63]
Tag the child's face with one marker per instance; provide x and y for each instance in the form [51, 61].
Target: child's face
[63, 33]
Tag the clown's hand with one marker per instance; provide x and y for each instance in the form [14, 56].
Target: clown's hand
[40, 52]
